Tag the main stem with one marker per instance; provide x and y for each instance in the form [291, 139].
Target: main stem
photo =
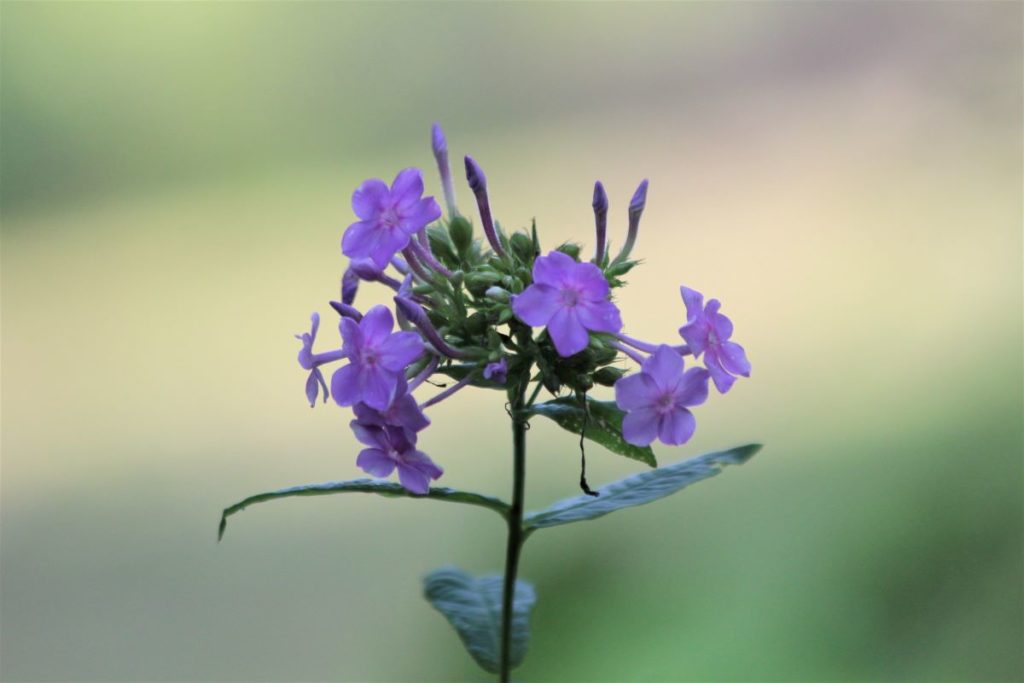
[515, 528]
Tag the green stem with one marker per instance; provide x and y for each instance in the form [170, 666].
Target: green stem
[515, 528]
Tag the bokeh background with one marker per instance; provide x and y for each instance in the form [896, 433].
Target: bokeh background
[846, 177]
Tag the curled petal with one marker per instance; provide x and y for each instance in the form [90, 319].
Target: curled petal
[695, 334]
[314, 383]
[734, 359]
[676, 427]
[722, 379]
[536, 305]
[694, 301]
[567, 332]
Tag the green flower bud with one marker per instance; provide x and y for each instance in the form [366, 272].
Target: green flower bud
[461, 232]
[608, 376]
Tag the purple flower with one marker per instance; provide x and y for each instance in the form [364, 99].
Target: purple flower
[497, 372]
[570, 298]
[388, 218]
[656, 398]
[312, 361]
[403, 413]
[390, 447]
[378, 359]
[707, 331]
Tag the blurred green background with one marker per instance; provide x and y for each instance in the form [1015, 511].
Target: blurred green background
[845, 177]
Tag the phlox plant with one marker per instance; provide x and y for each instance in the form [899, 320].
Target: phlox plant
[501, 313]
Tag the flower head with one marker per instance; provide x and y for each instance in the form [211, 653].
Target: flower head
[497, 371]
[388, 217]
[377, 360]
[571, 299]
[656, 399]
[707, 331]
[390, 448]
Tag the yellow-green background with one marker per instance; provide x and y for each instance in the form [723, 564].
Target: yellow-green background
[845, 177]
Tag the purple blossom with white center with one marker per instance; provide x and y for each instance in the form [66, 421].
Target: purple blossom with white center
[497, 371]
[569, 298]
[377, 360]
[388, 217]
[707, 331]
[390, 448]
[656, 399]
[403, 413]
[312, 361]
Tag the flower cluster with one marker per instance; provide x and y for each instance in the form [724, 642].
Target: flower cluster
[468, 310]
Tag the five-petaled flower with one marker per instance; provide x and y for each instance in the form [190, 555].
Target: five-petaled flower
[377, 360]
[388, 217]
[571, 299]
[707, 331]
[390, 447]
[656, 399]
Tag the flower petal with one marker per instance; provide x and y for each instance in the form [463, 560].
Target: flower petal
[600, 316]
[408, 414]
[639, 427]
[400, 350]
[567, 332]
[664, 366]
[424, 212]
[368, 198]
[377, 386]
[723, 380]
[553, 269]
[693, 387]
[376, 326]
[591, 281]
[345, 385]
[694, 302]
[676, 427]
[422, 462]
[413, 480]
[734, 359]
[695, 334]
[375, 462]
[360, 239]
[536, 305]
[407, 187]
[718, 322]
[635, 391]
[352, 337]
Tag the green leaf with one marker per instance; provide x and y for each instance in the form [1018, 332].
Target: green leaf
[639, 489]
[604, 425]
[381, 488]
[473, 607]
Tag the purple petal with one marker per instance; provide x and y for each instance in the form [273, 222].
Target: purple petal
[635, 391]
[413, 480]
[368, 198]
[553, 269]
[567, 332]
[536, 305]
[591, 281]
[376, 326]
[375, 462]
[719, 323]
[600, 316]
[640, 427]
[407, 187]
[390, 241]
[693, 388]
[312, 387]
[695, 334]
[676, 427]
[734, 359]
[369, 435]
[723, 380]
[408, 414]
[377, 386]
[423, 212]
[352, 337]
[345, 385]
[694, 301]
[400, 350]
[422, 462]
[360, 239]
[664, 366]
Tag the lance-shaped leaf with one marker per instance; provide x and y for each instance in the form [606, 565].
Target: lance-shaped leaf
[604, 425]
[639, 489]
[381, 488]
[473, 607]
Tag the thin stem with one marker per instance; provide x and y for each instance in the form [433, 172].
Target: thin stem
[533, 396]
[437, 398]
[515, 528]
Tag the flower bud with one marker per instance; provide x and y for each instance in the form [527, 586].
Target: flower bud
[440, 145]
[608, 376]
[600, 205]
[349, 286]
[497, 294]
[478, 183]
[522, 247]
[461, 232]
[636, 209]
